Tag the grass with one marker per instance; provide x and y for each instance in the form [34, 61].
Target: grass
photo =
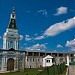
[29, 72]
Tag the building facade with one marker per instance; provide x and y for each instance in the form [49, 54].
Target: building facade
[11, 58]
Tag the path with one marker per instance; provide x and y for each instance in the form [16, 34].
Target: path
[72, 70]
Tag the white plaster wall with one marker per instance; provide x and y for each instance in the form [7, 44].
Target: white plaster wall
[49, 64]
[67, 60]
[45, 63]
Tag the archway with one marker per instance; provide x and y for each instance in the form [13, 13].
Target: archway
[10, 64]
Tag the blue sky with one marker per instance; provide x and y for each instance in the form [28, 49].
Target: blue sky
[43, 24]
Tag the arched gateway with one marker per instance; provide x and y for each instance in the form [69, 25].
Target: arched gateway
[10, 64]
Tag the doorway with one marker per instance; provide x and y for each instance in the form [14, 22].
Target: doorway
[10, 64]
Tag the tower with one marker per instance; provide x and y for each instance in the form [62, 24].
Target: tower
[11, 37]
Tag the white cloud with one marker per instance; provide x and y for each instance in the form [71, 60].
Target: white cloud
[55, 50]
[71, 44]
[39, 37]
[57, 28]
[35, 34]
[46, 43]
[54, 29]
[28, 38]
[61, 10]
[0, 37]
[37, 47]
[44, 12]
[59, 46]
[60, 27]
[21, 37]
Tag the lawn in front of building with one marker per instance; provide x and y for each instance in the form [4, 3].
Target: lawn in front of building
[28, 71]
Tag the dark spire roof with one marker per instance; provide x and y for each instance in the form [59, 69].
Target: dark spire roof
[12, 22]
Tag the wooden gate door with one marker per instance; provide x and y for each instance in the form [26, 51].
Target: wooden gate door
[10, 64]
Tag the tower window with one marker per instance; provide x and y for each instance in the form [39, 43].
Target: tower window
[11, 42]
[13, 16]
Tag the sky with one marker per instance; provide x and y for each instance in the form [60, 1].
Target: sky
[43, 25]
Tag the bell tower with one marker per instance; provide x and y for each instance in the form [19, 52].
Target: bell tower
[11, 37]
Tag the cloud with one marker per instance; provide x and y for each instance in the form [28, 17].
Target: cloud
[71, 44]
[39, 37]
[44, 12]
[59, 46]
[35, 34]
[37, 47]
[46, 43]
[61, 10]
[57, 28]
[21, 37]
[54, 29]
[28, 38]
[0, 37]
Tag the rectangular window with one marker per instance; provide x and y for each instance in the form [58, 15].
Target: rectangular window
[33, 59]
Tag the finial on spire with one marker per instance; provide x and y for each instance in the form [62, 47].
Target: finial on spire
[13, 9]
[13, 14]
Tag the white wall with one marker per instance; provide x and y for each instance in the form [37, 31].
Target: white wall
[67, 60]
[47, 61]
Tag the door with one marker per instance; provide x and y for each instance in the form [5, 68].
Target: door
[10, 64]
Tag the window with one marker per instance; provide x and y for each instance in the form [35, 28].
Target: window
[33, 59]
[13, 16]
[27, 59]
[11, 44]
[48, 61]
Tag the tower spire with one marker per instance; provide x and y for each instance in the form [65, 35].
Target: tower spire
[12, 22]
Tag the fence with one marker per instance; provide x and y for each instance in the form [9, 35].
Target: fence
[54, 70]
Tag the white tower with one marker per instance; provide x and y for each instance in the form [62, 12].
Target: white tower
[11, 37]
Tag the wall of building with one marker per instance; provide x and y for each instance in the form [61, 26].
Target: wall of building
[24, 60]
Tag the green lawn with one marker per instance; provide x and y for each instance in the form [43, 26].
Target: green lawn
[29, 72]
